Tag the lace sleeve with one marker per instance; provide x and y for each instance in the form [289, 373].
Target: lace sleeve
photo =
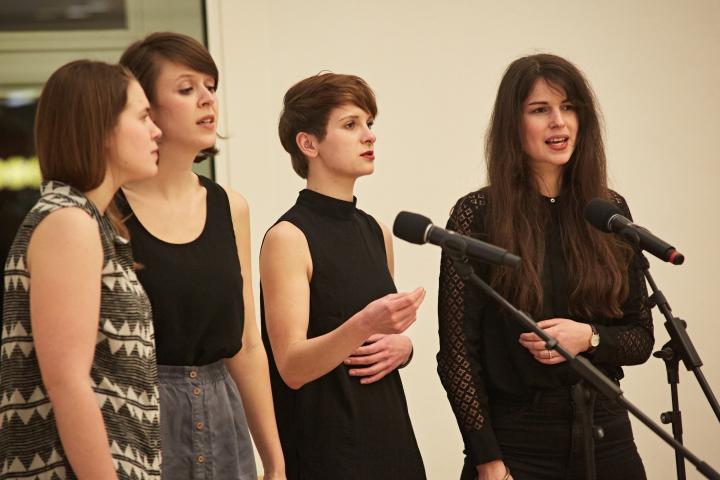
[459, 368]
[631, 340]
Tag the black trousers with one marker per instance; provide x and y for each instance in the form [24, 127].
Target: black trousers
[541, 438]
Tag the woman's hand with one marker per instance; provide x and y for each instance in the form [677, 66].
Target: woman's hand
[379, 356]
[494, 470]
[573, 336]
[393, 313]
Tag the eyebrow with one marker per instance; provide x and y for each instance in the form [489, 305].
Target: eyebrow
[183, 76]
[354, 117]
[543, 102]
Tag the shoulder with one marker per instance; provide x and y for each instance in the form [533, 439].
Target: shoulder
[69, 222]
[284, 245]
[239, 207]
[284, 235]
[620, 201]
[56, 195]
[385, 230]
[375, 225]
[468, 212]
[64, 231]
[385, 234]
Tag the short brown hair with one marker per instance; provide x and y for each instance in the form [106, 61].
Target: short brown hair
[307, 106]
[77, 111]
[143, 59]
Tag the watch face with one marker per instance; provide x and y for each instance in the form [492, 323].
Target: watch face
[595, 340]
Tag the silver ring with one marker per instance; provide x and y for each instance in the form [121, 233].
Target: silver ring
[550, 354]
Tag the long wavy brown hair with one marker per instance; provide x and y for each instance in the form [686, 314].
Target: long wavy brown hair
[597, 263]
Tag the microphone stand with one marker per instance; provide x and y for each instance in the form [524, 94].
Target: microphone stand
[680, 347]
[578, 363]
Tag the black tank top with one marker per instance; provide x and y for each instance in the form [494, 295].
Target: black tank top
[335, 427]
[195, 288]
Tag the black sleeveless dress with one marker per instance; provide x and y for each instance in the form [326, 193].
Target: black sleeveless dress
[335, 427]
[195, 288]
[196, 291]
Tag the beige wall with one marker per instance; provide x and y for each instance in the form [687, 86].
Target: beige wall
[655, 65]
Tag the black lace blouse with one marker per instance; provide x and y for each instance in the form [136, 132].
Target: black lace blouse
[480, 356]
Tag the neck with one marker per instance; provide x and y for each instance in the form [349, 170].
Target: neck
[548, 181]
[340, 188]
[102, 195]
[175, 175]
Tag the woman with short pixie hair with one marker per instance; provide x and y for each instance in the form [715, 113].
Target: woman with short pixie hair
[78, 381]
[331, 316]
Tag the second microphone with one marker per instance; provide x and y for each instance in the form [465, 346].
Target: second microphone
[416, 228]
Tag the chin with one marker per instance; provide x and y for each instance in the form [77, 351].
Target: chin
[366, 172]
[150, 172]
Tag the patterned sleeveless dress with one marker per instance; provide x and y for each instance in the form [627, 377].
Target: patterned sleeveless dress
[123, 373]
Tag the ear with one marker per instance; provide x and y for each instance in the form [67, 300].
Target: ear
[308, 144]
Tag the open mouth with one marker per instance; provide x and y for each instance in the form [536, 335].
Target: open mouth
[558, 142]
[209, 120]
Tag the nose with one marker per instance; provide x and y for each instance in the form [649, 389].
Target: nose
[557, 118]
[206, 97]
[369, 136]
[155, 132]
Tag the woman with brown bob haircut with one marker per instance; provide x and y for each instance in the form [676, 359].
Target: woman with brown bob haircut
[192, 237]
[78, 382]
[519, 406]
[331, 316]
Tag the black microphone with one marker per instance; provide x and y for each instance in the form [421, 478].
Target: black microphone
[418, 229]
[608, 217]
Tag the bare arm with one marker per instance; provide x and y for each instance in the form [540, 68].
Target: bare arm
[65, 260]
[286, 270]
[249, 367]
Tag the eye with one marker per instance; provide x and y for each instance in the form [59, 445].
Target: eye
[211, 88]
[539, 110]
[370, 123]
[350, 125]
[568, 107]
[185, 91]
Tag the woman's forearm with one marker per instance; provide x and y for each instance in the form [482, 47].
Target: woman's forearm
[249, 370]
[308, 359]
[82, 429]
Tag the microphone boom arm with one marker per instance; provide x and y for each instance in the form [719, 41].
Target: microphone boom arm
[581, 365]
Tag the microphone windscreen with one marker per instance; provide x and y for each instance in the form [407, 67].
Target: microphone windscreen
[411, 227]
[598, 213]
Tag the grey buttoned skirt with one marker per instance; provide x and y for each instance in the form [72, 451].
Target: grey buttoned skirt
[203, 426]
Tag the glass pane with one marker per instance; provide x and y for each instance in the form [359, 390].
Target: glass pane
[43, 15]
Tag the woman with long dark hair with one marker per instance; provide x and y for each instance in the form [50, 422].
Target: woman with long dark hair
[519, 405]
